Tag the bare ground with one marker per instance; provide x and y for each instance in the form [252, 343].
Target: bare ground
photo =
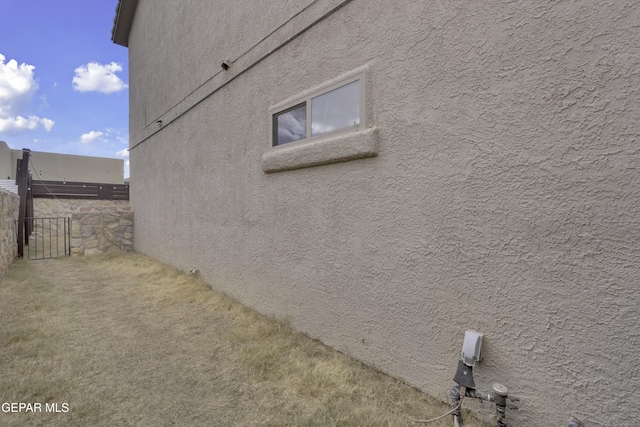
[126, 341]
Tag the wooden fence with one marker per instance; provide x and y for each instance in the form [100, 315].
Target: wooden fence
[79, 190]
[28, 188]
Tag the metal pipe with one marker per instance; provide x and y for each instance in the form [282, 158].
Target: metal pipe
[499, 396]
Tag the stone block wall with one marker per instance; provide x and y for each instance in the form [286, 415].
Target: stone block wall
[100, 229]
[9, 203]
[97, 226]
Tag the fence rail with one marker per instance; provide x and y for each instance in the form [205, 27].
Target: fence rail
[79, 190]
[29, 188]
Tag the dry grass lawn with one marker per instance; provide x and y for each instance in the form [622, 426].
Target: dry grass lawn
[126, 341]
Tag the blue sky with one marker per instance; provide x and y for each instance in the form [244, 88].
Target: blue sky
[63, 82]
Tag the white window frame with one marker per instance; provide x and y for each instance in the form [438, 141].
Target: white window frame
[341, 145]
[307, 97]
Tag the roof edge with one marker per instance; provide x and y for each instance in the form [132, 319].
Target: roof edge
[125, 11]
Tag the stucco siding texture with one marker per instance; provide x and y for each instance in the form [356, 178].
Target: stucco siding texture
[504, 196]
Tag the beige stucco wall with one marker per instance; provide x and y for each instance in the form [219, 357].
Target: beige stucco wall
[73, 168]
[5, 161]
[63, 167]
[503, 197]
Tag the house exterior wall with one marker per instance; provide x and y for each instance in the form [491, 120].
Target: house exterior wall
[5, 161]
[501, 195]
[73, 168]
[63, 167]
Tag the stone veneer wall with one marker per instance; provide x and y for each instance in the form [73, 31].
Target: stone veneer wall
[9, 203]
[96, 225]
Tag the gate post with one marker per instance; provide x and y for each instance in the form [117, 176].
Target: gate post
[23, 180]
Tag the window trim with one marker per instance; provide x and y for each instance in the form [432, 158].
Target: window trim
[306, 98]
[340, 148]
[342, 145]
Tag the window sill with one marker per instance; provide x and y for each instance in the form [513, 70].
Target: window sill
[305, 154]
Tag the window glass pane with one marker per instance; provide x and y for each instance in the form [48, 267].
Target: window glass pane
[337, 109]
[290, 125]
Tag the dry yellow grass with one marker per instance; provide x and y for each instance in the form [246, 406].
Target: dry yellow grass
[126, 341]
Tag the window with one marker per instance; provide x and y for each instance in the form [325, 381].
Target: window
[327, 124]
[333, 109]
[290, 125]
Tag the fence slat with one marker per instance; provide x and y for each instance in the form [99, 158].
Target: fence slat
[80, 190]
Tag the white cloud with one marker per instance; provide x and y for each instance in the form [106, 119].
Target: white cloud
[90, 137]
[123, 153]
[44, 102]
[47, 123]
[18, 123]
[17, 87]
[95, 77]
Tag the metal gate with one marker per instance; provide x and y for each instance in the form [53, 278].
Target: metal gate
[47, 237]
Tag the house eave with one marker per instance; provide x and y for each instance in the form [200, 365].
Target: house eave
[125, 11]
